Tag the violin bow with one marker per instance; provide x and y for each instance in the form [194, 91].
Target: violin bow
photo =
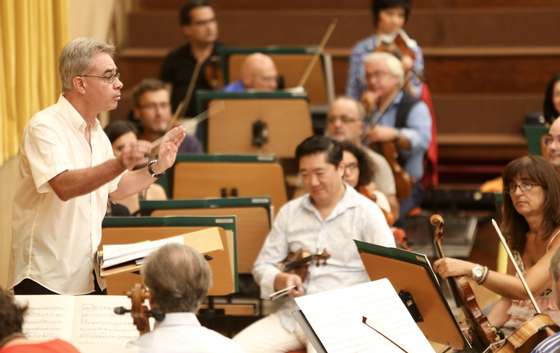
[319, 51]
[517, 269]
[188, 96]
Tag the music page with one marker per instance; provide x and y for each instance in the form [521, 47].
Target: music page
[336, 318]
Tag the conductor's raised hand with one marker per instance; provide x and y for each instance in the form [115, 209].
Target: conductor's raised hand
[174, 136]
[135, 154]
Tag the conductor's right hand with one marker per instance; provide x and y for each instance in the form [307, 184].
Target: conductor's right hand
[134, 154]
[283, 280]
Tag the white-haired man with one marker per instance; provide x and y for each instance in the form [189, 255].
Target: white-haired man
[67, 173]
[397, 116]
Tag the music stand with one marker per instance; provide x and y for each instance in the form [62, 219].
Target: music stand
[256, 123]
[413, 278]
[123, 230]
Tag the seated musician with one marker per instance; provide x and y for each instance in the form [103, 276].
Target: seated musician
[552, 343]
[178, 278]
[152, 113]
[12, 339]
[552, 145]
[531, 220]
[258, 73]
[551, 102]
[120, 134]
[397, 117]
[389, 17]
[345, 122]
[200, 28]
[328, 218]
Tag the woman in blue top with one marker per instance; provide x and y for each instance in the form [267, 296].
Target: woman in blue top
[389, 17]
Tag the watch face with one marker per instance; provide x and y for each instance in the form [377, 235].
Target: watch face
[477, 271]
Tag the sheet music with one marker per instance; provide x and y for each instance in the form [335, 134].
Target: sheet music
[86, 321]
[336, 318]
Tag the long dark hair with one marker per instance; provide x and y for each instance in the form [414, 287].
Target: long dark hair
[365, 164]
[549, 110]
[539, 171]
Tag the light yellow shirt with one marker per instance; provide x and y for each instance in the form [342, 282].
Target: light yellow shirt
[54, 241]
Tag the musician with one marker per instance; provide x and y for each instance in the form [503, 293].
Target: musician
[67, 173]
[399, 117]
[552, 145]
[152, 112]
[258, 73]
[552, 343]
[389, 17]
[531, 220]
[328, 217]
[346, 122]
[12, 339]
[120, 134]
[178, 278]
[551, 102]
[200, 28]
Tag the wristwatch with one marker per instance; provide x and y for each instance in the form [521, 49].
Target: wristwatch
[151, 169]
[477, 273]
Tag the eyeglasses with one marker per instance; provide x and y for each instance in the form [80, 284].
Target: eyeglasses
[523, 186]
[378, 74]
[107, 78]
[345, 119]
[350, 167]
[154, 106]
[549, 139]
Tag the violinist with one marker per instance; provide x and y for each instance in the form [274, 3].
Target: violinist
[200, 28]
[389, 17]
[258, 74]
[152, 114]
[178, 278]
[552, 343]
[345, 122]
[531, 220]
[395, 116]
[327, 218]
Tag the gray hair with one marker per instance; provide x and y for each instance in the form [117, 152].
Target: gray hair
[393, 64]
[359, 106]
[178, 278]
[76, 56]
[555, 266]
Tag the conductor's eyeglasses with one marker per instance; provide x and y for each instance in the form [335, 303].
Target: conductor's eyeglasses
[107, 78]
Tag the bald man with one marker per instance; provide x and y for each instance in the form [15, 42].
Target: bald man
[258, 73]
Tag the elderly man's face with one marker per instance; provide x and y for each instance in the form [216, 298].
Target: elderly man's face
[344, 122]
[101, 83]
[380, 80]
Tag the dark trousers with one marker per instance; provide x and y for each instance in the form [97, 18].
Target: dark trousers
[29, 286]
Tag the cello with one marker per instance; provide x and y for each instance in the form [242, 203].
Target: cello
[479, 328]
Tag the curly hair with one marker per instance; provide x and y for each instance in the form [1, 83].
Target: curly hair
[365, 164]
[11, 315]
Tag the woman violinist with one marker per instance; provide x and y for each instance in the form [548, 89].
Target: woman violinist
[531, 219]
[389, 17]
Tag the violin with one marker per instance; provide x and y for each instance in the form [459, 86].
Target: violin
[298, 262]
[479, 328]
[532, 331]
[139, 311]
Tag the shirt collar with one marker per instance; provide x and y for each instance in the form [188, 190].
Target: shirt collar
[72, 116]
[349, 200]
[179, 319]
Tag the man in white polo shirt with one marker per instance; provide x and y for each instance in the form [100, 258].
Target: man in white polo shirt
[68, 172]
